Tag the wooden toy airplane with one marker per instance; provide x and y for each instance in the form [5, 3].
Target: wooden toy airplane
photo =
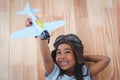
[37, 27]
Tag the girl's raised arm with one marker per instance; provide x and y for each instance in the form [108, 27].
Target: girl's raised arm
[47, 59]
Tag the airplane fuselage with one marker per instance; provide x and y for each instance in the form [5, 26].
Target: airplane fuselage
[36, 22]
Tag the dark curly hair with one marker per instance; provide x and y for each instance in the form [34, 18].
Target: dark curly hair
[77, 46]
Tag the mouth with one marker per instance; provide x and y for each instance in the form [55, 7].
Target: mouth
[63, 63]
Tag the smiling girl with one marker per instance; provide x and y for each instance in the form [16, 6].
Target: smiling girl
[67, 62]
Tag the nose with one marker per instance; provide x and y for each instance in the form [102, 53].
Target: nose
[62, 56]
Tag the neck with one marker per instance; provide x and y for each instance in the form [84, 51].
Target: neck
[69, 72]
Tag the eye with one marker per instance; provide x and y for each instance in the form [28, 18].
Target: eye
[67, 51]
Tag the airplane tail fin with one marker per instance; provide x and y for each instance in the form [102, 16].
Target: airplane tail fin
[27, 10]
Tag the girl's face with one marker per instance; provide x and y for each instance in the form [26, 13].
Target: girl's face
[65, 57]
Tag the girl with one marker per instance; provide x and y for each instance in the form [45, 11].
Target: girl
[67, 62]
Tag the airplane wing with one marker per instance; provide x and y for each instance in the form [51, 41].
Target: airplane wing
[33, 31]
[26, 32]
[51, 26]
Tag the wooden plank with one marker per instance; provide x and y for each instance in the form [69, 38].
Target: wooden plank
[4, 40]
[95, 22]
[16, 45]
[22, 51]
[4, 6]
[4, 43]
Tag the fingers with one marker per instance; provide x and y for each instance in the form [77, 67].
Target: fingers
[28, 22]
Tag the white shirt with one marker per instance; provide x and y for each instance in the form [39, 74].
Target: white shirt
[55, 73]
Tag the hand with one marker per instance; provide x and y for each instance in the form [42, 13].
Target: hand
[28, 22]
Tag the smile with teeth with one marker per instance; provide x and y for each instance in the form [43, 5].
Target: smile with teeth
[63, 63]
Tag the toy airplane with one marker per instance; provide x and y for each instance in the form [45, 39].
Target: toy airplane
[37, 27]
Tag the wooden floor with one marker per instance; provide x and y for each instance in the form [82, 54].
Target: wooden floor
[96, 22]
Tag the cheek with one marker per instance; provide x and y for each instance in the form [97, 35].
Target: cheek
[72, 61]
[72, 58]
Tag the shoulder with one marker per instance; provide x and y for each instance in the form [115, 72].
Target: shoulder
[86, 73]
[53, 75]
[85, 70]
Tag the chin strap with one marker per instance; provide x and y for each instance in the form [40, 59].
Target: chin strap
[45, 35]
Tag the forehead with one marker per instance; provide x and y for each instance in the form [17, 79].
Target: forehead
[64, 46]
